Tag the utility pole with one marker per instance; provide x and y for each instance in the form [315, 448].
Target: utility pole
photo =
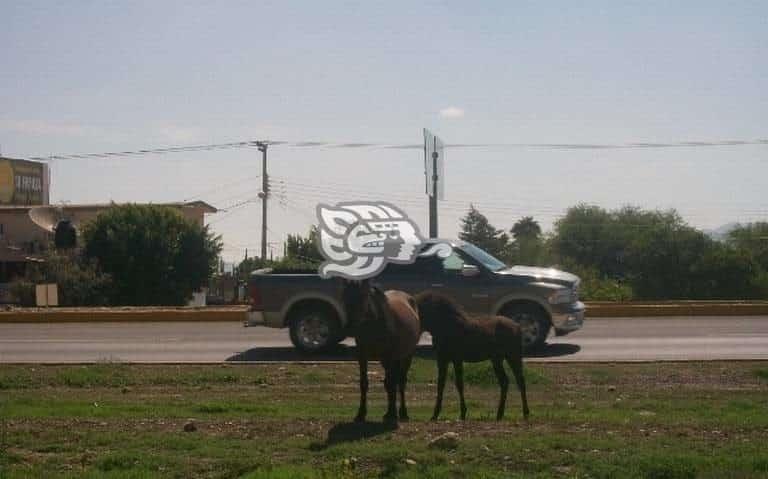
[433, 197]
[264, 194]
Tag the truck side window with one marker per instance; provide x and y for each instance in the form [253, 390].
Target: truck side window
[453, 263]
[423, 266]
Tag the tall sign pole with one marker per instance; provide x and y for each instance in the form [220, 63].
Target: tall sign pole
[434, 158]
[433, 196]
[264, 194]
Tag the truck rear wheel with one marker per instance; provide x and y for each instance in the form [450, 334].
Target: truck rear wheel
[533, 322]
[313, 330]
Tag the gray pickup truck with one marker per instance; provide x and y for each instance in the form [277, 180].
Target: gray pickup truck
[539, 299]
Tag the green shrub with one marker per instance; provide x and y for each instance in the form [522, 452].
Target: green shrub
[78, 279]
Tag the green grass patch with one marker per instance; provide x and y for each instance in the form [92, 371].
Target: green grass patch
[676, 421]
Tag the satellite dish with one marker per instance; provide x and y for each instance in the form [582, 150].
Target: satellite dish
[47, 217]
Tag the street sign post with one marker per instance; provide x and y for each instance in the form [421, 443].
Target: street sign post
[434, 157]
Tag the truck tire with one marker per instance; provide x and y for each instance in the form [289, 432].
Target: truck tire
[313, 330]
[533, 322]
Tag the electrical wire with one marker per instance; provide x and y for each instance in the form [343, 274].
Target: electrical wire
[415, 146]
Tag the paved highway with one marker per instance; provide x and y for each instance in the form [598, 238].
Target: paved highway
[607, 339]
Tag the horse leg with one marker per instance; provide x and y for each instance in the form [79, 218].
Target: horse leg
[363, 410]
[405, 365]
[501, 376]
[442, 369]
[458, 370]
[516, 363]
[391, 373]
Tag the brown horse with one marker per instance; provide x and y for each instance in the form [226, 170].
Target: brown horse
[457, 338]
[386, 327]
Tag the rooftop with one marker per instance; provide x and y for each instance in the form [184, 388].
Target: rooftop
[191, 204]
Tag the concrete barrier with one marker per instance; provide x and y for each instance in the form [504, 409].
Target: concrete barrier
[596, 309]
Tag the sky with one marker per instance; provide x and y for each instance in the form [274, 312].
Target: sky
[93, 76]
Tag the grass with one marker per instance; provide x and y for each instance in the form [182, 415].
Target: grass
[110, 420]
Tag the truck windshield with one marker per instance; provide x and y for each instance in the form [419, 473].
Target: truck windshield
[482, 257]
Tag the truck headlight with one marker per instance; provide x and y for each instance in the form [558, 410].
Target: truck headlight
[560, 296]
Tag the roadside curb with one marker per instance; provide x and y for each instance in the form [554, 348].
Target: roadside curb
[683, 308]
[106, 315]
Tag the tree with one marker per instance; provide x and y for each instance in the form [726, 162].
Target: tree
[683, 263]
[154, 255]
[476, 229]
[303, 249]
[528, 247]
[526, 228]
[594, 237]
[752, 238]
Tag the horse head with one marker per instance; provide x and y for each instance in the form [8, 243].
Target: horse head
[437, 311]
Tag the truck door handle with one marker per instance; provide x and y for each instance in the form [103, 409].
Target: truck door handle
[436, 285]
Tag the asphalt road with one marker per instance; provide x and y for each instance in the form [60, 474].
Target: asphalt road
[607, 339]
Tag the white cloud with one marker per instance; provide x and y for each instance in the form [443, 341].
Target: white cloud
[452, 113]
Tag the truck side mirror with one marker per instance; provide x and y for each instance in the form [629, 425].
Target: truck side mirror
[469, 270]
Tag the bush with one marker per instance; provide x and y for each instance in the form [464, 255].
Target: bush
[78, 279]
[597, 287]
[154, 255]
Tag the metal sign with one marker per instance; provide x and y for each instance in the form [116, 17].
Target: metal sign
[23, 182]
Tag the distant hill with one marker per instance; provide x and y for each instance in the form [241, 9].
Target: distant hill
[721, 233]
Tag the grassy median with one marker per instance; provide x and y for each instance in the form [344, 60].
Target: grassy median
[665, 420]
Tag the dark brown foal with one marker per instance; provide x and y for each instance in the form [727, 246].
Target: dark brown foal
[386, 327]
[457, 338]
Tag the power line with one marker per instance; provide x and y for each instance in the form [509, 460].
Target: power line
[374, 145]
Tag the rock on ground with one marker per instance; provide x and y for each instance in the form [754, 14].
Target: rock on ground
[448, 440]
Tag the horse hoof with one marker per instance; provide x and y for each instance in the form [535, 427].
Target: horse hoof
[359, 419]
[434, 418]
[404, 418]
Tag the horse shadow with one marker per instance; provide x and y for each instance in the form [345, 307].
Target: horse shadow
[353, 431]
[340, 352]
[344, 352]
[553, 350]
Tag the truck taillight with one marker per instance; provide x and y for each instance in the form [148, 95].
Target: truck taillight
[255, 297]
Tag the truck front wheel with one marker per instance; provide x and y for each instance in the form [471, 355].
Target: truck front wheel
[533, 322]
[314, 330]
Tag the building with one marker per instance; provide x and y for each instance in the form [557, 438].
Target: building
[24, 182]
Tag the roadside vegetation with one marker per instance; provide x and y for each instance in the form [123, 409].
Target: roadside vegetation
[661, 420]
[130, 255]
[621, 255]
[632, 253]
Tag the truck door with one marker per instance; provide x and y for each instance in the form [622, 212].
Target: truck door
[411, 278]
[471, 292]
